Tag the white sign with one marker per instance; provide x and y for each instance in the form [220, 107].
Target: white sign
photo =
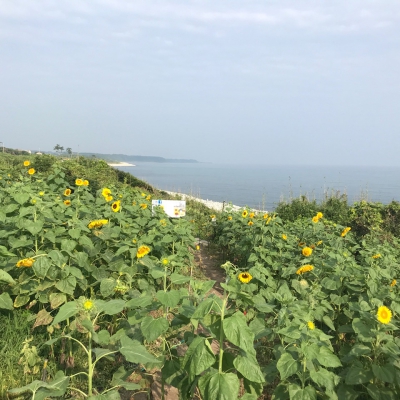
[173, 208]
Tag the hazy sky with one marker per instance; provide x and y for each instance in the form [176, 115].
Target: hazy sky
[249, 81]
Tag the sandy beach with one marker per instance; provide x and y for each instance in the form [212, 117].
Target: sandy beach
[121, 164]
[213, 205]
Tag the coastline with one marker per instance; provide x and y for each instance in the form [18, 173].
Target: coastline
[121, 164]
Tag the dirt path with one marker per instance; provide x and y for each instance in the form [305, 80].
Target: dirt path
[209, 262]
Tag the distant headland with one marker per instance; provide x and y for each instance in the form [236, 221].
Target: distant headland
[123, 158]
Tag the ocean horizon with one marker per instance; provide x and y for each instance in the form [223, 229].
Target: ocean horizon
[264, 186]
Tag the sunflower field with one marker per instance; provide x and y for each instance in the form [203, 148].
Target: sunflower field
[109, 287]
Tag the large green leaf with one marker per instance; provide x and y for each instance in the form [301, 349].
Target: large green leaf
[203, 308]
[287, 365]
[198, 357]
[21, 198]
[363, 331]
[385, 373]
[153, 328]
[179, 279]
[134, 352]
[66, 311]
[6, 277]
[357, 375]
[33, 227]
[249, 368]
[238, 333]
[6, 301]
[170, 298]
[224, 386]
[5, 253]
[327, 358]
[68, 245]
[324, 378]
[110, 307]
[41, 266]
[107, 286]
[67, 285]
[297, 393]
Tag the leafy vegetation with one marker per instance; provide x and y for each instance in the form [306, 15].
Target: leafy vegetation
[99, 293]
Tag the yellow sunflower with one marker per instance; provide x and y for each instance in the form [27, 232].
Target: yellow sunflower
[384, 315]
[245, 277]
[311, 325]
[212, 216]
[265, 216]
[251, 215]
[85, 182]
[345, 231]
[163, 222]
[393, 283]
[305, 268]
[142, 251]
[250, 223]
[31, 171]
[67, 192]
[284, 237]
[88, 305]
[26, 262]
[245, 213]
[97, 223]
[229, 218]
[67, 202]
[27, 163]
[41, 193]
[79, 182]
[108, 198]
[116, 206]
[105, 192]
[375, 256]
[143, 206]
[165, 261]
[315, 219]
[306, 251]
[148, 198]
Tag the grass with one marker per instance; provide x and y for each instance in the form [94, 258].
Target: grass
[15, 328]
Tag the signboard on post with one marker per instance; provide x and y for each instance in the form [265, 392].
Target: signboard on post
[173, 208]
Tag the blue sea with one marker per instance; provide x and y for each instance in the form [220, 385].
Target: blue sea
[262, 186]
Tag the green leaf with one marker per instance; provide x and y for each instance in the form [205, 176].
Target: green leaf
[110, 307]
[198, 357]
[58, 258]
[21, 300]
[238, 333]
[18, 243]
[56, 299]
[287, 365]
[43, 317]
[5, 253]
[68, 245]
[169, 299]
[179, 279]
[67, 310]
[6, 277]
[328, 322]
[363, 331]
[41, 266]
[21, 198]
[134, 352]
[224, 386]
[357, 375]
[327, 358]
[297, 393]
[6, 301]
[74, 233]
[153, 328]
[67, 285]
[33, 227]
[139, 302]
[384, 373]
[107, 286]
[203, 308]
[157, 272]
[249, 368]
[324, 378]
